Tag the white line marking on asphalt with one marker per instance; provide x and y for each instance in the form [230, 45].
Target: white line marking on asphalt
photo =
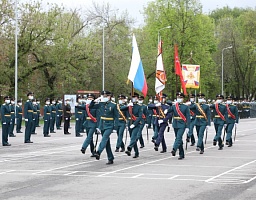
[173, 177]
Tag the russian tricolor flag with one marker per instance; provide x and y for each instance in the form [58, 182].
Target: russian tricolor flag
[136, 73]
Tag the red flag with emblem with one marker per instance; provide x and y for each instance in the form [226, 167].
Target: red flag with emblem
[178, 69]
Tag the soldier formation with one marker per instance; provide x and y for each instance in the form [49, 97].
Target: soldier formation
[102, 116]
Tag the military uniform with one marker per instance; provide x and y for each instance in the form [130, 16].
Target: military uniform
[35, 116]
[122, 124]
[232, 120]
[53, 116]
[220, 117]
[67, 115]
[202, 120]
[28, 115]
[79, 118]
[180, 123]
[91, 123]
[59, 114]
[135, 116]
[143, 121]
[154, 118]
[47, 118]
[38, 113]
[192, 120]
[18, 116]
[6, 120]
[108, 124]
[12, 123]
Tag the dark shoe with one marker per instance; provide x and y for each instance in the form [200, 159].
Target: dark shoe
[156, 148]
[122, 150]
[142, 146]
[12, 135]
[220, 147]
[58, 128]
[173, 153]
[180, 158]
[192, 144]
[110, 162]
[67, 133]
[47, 135]
[83, 150]
[97, 155]
[163, 151]
[19, 132]
[52, 132]
[28, 141]
[153, 141]
[197, 149]
[136, 156]
[79, 135]
[230, 145]
[227, 143]
[187, 139]
[34, 133]
[201, 152]
[117, 150]
[93, 155]
[7, 144]
[38, 126]
[214, 142]
[128, 153]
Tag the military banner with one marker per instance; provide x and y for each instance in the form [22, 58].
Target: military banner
[191, 74]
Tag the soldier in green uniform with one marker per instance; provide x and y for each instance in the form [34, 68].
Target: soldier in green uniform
[18, 116]
[232, 119]
[47, 117]
[202, 120]
[38, 112]
[6, 120]
[219, 120]
[12, 123]
[83, 102]
[28, 115]
[180, 123]
[143, 120]
[122, 124]
[35, 116]
[108, 124]
[192, 121]
[91, 123]
[78, 117]
[154, 118]
[135, 116]
[59, 113]
[53, 116]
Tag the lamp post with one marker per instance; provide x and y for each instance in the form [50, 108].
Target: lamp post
[159, 32]
[230, 47]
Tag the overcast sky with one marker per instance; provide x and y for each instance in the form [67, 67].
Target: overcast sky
[135, 7]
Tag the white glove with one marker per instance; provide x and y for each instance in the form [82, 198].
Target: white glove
[26, 120]
[235, 124]
[66, 118]
[130, 104]
[165, 111]
[186, 130]
[207, 127]
[76, 104]
[188, 103]
[77, 119]
[225, 125]
[158, 104]
[160, 121]
[114, 131]
[98, 130]
[132, 126]
[46, 120]
[4, 122]
[98, 99]
[57, 115]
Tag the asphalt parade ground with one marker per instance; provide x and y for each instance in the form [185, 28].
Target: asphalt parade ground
[54, 168]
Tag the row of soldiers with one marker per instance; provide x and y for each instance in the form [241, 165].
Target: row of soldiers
[105, 117]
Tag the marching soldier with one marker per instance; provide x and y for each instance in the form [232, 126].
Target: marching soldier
[6, 120]
[154, 118]
[83, 102]
[59, 113]
[135, 116]
[219, 120]
[67, 115]
[92, 119]
[78, 117]
[232, 119]
[28, 115]
[53, 116]
[143, 120]
[108, 124]
[180, 123]
[18, 116]
[47, 117]
[202, 120]
[192, 121]
[122, 124]
[161, 122]
[12, 123]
